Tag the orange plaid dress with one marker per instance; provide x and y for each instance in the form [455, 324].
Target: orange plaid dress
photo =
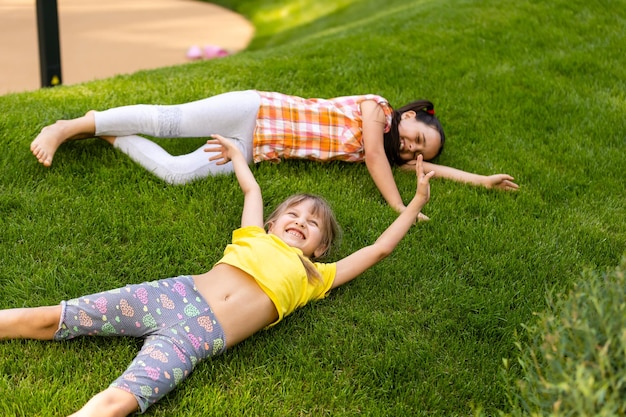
[317, 129]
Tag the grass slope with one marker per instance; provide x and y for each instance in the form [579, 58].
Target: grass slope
[532, 88]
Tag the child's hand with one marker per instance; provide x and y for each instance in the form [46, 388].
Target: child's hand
[501, 181]
[423, 180]
[224, 148]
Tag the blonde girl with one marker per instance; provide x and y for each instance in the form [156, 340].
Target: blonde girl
[264, 275]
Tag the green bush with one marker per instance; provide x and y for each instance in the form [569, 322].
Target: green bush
[573, 360]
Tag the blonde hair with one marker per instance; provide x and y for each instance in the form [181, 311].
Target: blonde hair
[328, 225]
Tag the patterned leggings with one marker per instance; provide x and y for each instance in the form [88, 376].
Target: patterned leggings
[177, 324]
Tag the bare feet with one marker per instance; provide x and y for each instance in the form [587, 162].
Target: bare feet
[51, 137]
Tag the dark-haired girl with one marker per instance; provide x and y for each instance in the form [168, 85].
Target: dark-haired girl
[270, 126]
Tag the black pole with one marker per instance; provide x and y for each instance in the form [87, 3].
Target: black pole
[49, 46]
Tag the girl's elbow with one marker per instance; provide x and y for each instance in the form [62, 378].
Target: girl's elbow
[383, 253]
[383, 246]
[251, 189]
[374, 155]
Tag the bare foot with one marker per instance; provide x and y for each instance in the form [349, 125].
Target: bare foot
[51, 137]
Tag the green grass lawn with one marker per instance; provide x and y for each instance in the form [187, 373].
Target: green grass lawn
[535, 89]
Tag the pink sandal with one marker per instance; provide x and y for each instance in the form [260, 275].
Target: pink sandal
[213, 51]
[194, 52]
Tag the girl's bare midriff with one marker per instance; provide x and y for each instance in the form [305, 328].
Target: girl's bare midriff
[239, 304]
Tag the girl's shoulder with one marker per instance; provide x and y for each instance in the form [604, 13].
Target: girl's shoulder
[371, 104]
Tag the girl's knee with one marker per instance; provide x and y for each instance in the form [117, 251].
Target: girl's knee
[118, 402]
[49, 317]
[40, 322]
[110, 402]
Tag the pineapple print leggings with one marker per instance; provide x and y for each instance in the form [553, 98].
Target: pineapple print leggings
[176, 322]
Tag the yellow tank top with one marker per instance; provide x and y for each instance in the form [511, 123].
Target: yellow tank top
[277, 269]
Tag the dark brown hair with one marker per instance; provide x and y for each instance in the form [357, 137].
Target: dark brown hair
[425, 113]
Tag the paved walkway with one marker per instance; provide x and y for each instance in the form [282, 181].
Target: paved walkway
[102, 38]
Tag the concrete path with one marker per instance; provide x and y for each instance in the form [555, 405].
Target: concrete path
[102, 38]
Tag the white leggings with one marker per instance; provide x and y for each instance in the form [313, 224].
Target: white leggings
[232, 115]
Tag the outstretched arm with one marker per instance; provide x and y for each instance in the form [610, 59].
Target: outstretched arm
[252, 214]
[376, 161]
[501, 181]
[373, 125]
[351, 266]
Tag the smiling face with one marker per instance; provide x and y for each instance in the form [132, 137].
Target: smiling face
[300, 226]
[417, 138]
